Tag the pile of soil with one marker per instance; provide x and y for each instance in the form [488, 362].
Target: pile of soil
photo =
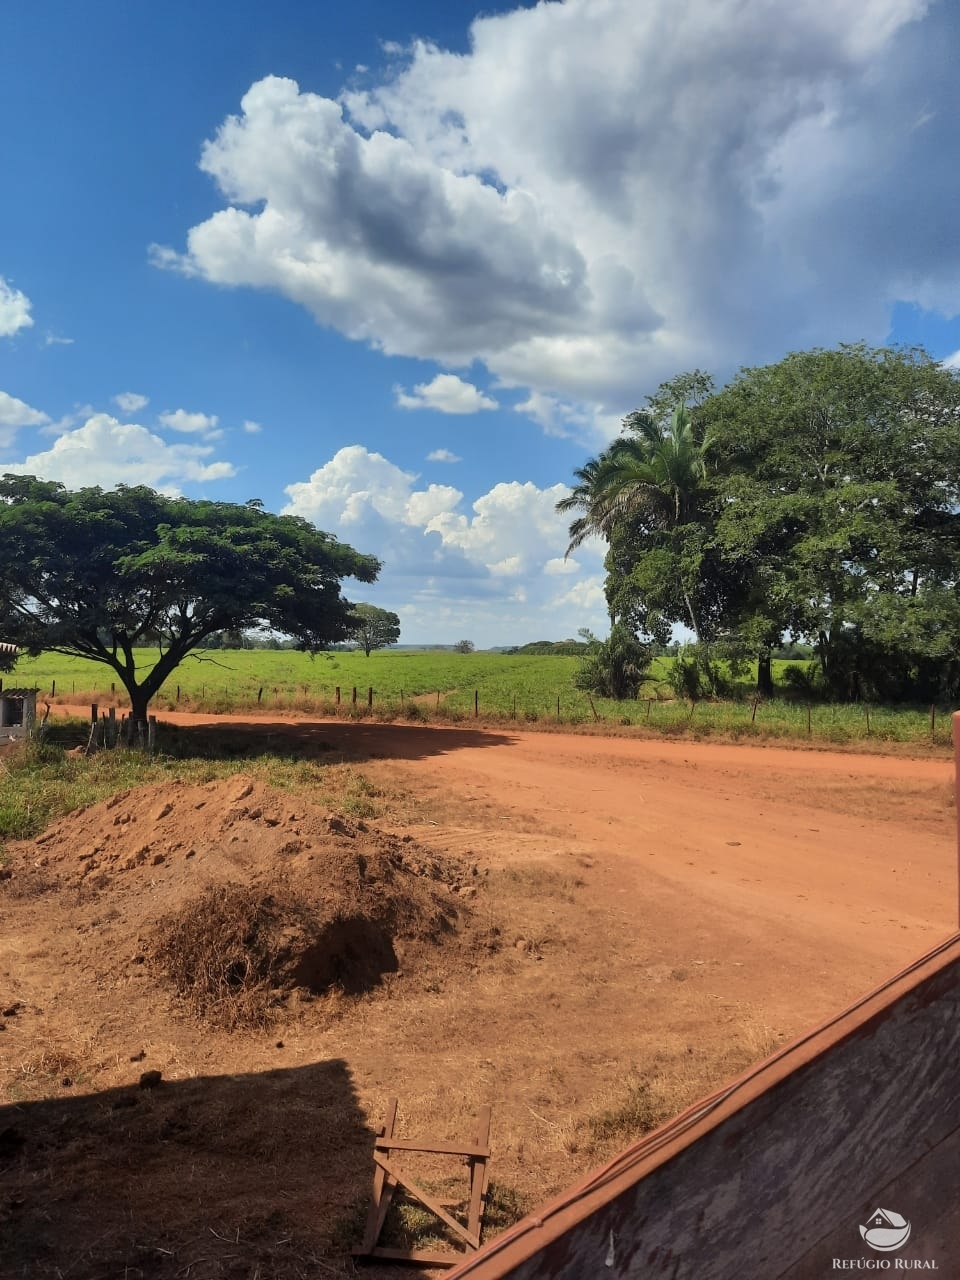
[234, 894]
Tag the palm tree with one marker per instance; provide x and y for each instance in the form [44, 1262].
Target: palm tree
[653, 477]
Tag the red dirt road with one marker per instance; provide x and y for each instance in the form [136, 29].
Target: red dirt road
[815, 875]
[827, 870]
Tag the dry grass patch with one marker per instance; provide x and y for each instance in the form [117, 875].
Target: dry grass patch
[539, 881]
[671, 1083]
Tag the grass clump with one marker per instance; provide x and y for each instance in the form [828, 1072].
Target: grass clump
[639, 1111]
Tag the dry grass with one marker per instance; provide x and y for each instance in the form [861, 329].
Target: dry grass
[540, 882]
[224, 954]
[649, 1098]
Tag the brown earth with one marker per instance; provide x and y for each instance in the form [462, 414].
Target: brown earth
[583, 932]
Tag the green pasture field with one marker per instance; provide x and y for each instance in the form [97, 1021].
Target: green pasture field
[439, 684]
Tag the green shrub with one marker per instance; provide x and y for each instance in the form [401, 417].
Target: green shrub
[803, 682]
[616, 667]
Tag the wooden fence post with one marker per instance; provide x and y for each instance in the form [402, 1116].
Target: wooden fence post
[753, 713]
[476, 703]
[370, 697]
[259, 694]
[354, 695]
[866, 708]
[53, 688]
[94, 712]
[337, 695]
[933, 720]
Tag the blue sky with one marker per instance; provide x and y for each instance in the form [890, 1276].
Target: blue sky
[400, 268]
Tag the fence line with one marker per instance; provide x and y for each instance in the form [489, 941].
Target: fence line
[746, 717]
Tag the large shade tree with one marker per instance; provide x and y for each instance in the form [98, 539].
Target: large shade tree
[838, 496]
[99, 573]
[817, 497]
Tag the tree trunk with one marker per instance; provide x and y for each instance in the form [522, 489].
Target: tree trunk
[823, 645]
[765, 675]
[139, 702]
[693, 617]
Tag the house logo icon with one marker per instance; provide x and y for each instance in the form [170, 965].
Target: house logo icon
[885, 1230]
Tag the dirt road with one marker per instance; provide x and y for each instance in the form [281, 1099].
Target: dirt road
[809, 863]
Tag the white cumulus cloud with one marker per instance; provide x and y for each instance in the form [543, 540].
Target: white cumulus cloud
[131, 402]
[443, 455]
[14, 310]
[14, 414]
[447, 394]
[559, 566]
[600, 194]
[490, 562]
[107, 452]
[252, 428]
[198, 424]
[373, 236]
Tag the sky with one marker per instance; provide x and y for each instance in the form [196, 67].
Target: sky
[401, 266]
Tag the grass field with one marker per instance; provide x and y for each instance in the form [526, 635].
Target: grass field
[528, 688]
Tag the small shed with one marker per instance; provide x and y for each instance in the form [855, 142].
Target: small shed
[18, 712]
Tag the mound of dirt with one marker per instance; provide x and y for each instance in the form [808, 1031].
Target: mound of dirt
[234, 894]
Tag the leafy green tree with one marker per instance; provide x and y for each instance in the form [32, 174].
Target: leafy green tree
[374, 628]
[94, 573]
[836, 498]
[464, 646]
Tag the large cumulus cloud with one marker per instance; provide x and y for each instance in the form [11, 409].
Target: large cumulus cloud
[600, 194]
[494, 566]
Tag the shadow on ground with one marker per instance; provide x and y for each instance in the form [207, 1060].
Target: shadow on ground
[331, 741]
[250, 1175]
